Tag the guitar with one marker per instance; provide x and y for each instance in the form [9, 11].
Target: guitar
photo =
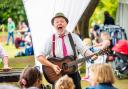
[67, 64]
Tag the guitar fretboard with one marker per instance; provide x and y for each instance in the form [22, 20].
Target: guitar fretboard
[88, 58]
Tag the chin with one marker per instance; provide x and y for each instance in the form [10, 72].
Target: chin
[60, 32]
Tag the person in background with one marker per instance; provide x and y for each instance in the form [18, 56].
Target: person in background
[108, 20]
[62, 47]
[101, 77]
[30, 77]
[77, 31]
[2, 28]
[88, 43]
[105, 42]
[24, 28]
[65, 82]
[11, 29]
[4, 57]
[95, 34]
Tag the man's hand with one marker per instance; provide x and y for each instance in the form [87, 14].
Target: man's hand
[94, 57]
[56, 68]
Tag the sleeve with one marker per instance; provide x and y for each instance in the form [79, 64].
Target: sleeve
[46, 49]
[2, 52]
[84, 51]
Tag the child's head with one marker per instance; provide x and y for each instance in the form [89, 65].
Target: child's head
[29, 77]
[64, 82]
[102, 73]
[105, 36]
[87, 41]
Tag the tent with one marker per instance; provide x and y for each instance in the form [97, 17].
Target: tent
[122, 15]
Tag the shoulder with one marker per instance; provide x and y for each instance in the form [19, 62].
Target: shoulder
[101, 86]
[49, 39]
[75, 36]
[90, 87]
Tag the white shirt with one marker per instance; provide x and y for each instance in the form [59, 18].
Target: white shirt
[2, 52]
[47, 50]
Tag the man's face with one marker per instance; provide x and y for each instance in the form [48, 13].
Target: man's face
[60, 25]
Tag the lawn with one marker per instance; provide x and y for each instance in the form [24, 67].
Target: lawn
[21, 62]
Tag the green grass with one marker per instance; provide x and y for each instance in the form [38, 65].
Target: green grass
[16, 61]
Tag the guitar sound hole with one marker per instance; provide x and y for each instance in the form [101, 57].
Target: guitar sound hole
[65, 66]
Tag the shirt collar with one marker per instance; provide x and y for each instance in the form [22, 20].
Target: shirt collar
[66, 33]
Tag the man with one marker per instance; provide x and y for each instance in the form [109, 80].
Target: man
[61, 36]
[11, 28]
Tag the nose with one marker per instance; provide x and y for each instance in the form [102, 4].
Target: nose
[59, 23]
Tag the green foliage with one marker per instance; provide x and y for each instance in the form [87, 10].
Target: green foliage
[82, 69]
[104, 5]
[12, 8]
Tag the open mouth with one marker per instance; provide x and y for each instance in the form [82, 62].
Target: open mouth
[59, 27]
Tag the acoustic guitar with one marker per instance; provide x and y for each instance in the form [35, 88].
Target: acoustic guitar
[67, 64]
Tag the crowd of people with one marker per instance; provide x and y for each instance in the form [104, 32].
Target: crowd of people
[23, 40]
[60, 45]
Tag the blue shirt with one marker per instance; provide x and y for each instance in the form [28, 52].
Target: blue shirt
[102, 86]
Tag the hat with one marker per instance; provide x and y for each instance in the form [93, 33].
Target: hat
[59, 15]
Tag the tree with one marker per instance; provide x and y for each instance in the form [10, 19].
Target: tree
[12, 8]
[84, 21]
[94, 13]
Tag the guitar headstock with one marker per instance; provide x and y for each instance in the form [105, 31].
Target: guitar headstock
[103, 51]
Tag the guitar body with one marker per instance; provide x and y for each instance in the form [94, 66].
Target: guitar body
[67, 64]
[50, 74]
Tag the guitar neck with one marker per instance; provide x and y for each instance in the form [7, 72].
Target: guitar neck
[87, 58]
[80, 60]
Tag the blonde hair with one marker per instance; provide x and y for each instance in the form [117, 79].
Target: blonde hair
[102, 73]
[105, 36]
[87, 41]
[64, 82]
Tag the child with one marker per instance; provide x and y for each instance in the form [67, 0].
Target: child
[64, 82]
[88, 43]
[105, 40]
[104, 43]
[101, 77]
[30, 77]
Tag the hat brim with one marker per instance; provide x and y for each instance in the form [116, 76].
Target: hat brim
[52, 21]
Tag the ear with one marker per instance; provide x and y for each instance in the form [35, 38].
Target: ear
[23, 81]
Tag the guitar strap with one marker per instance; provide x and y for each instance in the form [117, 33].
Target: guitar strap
[71, 42]
[53, 45]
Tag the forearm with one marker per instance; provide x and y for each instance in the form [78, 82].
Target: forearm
[5, 61]
[44, 61]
